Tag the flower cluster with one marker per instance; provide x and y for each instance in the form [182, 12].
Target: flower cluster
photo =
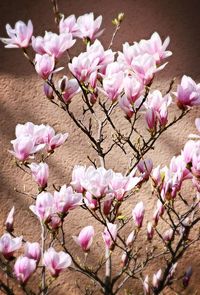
[31, 139]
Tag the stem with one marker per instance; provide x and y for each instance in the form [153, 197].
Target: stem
[43, 279]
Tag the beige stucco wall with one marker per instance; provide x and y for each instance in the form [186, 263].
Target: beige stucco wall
[22, 99]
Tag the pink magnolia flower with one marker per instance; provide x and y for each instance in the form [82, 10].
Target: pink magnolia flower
[8, 245]
[44, 65]
[156, 176]
[155, 47]
[85, 238]
[33, 251]
[129, 53]
[53, 44]
[132, 87]
[96, 181]
[110, 235]
[40, 173]
[24, 268]
[19, 36]
[88, 27]
[55, 262]
[158, 104]
[120, 184]
[107, 204]
[83, 66]
[138, 214]
[145, 167]
[44, 207]
[90, 201]
[126, 106]
[150, 231]
[10, 220]
[124, 259]
[151, 119]
[69, 88]
[196, 160]
[145, 67]
[78, 173]
[66, 199]
[188, 151]
[157, 278]
[69, 25]
[188, 93]
[24, 147]
[105, 57]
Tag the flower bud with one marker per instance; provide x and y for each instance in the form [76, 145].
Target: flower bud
[150, 231]
[138, 214]
[187, 276]
[168, 234]
[33, 251]
[85, 238]
[48, 91]
[157, 278]
[24, 268]
[10, 220]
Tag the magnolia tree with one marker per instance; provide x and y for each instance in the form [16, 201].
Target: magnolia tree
[107, 82]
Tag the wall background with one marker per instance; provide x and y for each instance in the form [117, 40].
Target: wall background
[22, 99]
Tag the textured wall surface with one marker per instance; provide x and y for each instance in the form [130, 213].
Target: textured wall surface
[22, 98]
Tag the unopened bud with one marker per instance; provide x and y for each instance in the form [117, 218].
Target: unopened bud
[10, 220]
[187, 276]
[48, 91]
[150, 231]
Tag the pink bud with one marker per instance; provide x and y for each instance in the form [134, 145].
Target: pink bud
[110, 235]
[150, 231]
[168, 234]
[124, 259]
[107, 204]
[150, 119]
[40, 173]
[157, 278]
[9, 245]
[19, 36]
[55, 262]
[32, 251]
[138, 214]
[130, 239]
[187, 276]
[24, 268]
[44, 65]
[48, 91]
[145, 167]
[85, 238]
[69, 88]
[10, 220]
[78, 173]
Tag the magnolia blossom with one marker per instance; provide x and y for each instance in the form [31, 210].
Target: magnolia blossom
[126, 106]
[19, 36]
[33, 251]
[128, 54]
[44, 65]
[107, 204]
[157, 278]
[8, 245]
[138, 214]
[188, 93]
[66, 199]
[24, 268]
[96, 181]
[44, 207]
[133, 87]
[124, 259]
[105, 57]
[55, 262]
[85, 238]
[120, 184]
[110, 235]
[24, 147]
[90, 201]
[53, 44]
[155, 47]
[158, 106]
[145, 167]
[88, 27]
[78, 174]
[40, 173]
[10, 220]
[69, 25]
[83, 66]
[69, 88]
